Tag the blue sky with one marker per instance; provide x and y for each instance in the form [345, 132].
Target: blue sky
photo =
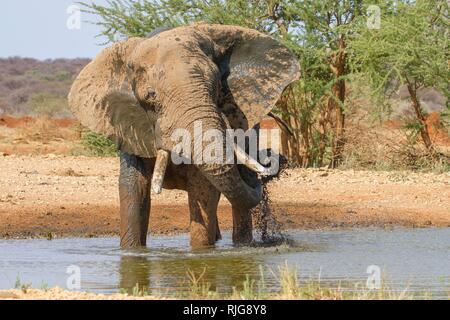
[38, 29]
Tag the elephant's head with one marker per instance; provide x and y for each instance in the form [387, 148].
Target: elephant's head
[224, 76]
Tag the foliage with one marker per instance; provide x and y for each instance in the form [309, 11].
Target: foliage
[315, 31]
[47, 105]
[412, 44]
[97, 144]
[129, 18]
[333, 44]
[410, 48]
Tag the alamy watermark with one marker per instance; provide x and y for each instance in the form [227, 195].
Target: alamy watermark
[234, 146]
[74, 19]
[374, 279]
[74, 280]
[373, 17]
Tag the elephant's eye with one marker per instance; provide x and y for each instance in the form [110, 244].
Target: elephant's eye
[151, 94]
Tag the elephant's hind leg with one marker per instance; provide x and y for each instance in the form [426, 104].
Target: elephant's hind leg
[203, 201]
[134, 191]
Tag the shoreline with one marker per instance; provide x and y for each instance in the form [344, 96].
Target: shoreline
[60, 196]
[78, 222]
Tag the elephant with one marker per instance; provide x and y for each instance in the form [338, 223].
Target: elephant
[138, 91]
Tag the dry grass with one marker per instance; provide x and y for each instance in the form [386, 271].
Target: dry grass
[291, 288]
[44, 135]
[380, 147]
[44, 130]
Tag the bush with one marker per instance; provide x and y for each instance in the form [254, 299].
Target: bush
[98, 145]
[48, 105]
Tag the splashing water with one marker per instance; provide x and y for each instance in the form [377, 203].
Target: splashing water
[267, 226]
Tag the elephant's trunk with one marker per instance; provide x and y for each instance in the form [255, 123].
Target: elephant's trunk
[223, 176]
[228, 181]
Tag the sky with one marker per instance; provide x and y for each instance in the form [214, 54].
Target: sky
[39, 29]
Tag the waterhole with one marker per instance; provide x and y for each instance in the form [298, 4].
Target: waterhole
[417, 260]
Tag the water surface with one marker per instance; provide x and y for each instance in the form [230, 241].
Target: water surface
[414, 259]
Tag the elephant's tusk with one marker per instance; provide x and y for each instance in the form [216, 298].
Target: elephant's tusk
[251, 163]
[162, 159]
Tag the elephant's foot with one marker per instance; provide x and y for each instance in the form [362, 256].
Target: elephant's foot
[134, 192]
[203, 201]
[242, 226]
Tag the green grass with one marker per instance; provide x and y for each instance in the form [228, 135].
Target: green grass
[22, 286]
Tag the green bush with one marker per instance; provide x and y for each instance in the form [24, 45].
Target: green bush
[98, 145]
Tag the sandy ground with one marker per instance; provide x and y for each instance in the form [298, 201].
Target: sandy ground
[61, 294]
[55, 196]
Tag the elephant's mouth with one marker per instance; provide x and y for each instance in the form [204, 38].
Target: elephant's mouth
[249, 176]
[241, 183]
[272, 167]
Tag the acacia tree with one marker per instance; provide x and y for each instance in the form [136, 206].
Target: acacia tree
[127, 18]
[410, 48]
[331, 40]
[317, 31]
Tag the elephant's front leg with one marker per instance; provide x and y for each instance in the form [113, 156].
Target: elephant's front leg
[242, 225]
[203, 202]
[134, 191]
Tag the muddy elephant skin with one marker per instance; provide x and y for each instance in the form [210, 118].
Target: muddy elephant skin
[139, 91]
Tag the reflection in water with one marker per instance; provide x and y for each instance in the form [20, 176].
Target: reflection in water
[413, 259]
[170, 275]
[134, 270]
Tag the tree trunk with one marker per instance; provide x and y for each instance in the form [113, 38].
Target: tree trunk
[290, 144]
[339, 68]
[424, 133]
[324, 123]
[285, 141]
[339, 123]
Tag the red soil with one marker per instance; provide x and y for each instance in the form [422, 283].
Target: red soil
[13, 122]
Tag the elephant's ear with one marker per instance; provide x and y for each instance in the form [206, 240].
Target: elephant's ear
[255, 71]
[102, 99]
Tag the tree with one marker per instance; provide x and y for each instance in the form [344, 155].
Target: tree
[316, 31]
[127, 18]
[321, 31]
[411, 48]
[332, 41]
